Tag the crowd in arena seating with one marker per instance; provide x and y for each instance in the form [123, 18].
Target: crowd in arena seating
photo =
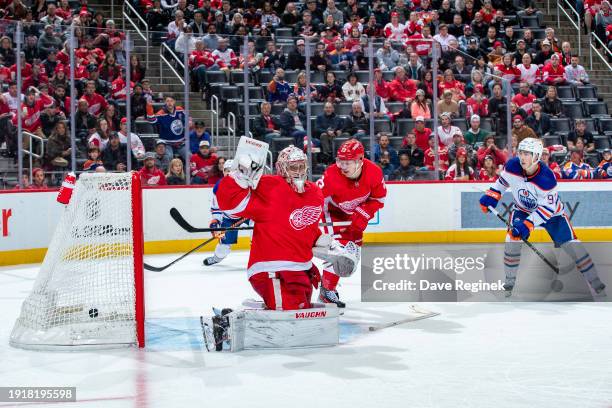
[488, 49]
[100, 98]
[485, 45]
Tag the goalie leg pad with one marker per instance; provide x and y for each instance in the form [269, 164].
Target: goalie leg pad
[254, 329]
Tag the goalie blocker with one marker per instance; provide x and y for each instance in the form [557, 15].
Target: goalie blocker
[254, 329]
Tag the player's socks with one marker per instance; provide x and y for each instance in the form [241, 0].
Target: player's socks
[584, 263]
[512, 259]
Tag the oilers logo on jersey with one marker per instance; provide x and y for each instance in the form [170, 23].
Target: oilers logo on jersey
[527, 199]
[177, 127]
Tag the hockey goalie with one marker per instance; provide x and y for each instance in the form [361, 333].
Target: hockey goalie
[286, 210]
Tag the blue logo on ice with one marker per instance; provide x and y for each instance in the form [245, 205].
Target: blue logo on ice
[527, 199]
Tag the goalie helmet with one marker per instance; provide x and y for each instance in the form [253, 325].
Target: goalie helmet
[533, 146]
[291, 165]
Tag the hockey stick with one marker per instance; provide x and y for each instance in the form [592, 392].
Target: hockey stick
[182, 222]
[161, 268]
[422, 314]
[529, 244]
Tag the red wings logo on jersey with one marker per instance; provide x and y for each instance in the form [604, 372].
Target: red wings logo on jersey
[305, 216]
[349, 206]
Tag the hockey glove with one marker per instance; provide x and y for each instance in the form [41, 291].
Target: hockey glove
[214, 223]
[490, 198]
[314, 275]
[521, 229]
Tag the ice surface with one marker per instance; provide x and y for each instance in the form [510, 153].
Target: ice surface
[472, 355]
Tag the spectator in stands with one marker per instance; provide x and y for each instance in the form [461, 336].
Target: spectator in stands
[443, 37]
[331, 91]
[266, 127]
[401, 88]
[575, 168]
[273, 57]
[49, 40]
[137, 147]
[422, 133]
[201, 163]
[150, 174]
[551, 103]
[99, 135]
[520, 130]
[489, 148]
[495, 109]
[460, 169]
[340, 58]
[524, 99]
[415, 69]
[217, 172]
[175, 174]
[538, 120]
[410, 148]
[300, 90]
[475, 134]
[386, 56]
[211, 39]
[225, 55]
[110, 69]
[420, 106]
[405, 171]
[528, 8]
[93, 159]
[293, 122]
[320, 61]
[162, 156]
[297, 57]
[380, 109]
[278, 88]
[170, 120]
[576, 74]
[383, 146]
[96, 103]
[198, 134]
[384, 163]
[39, 181]
[114, 155]
[185, 43]
[459, 143]
[328, 126]
[580, 131]
[553, 165]
[496, 56]
[380, 85]
[429, 156]
[488, 171]
[7, 51]
[544, 54]
[604, 169]
[357, 124]
[448, 105]
[58, 149]
[477, 104]
[112, 117]
[352, 89]
[553, 72]
[603, 18]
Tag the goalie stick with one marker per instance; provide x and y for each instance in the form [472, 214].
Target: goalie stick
[162, 268]
[422, 314]
[183, 223]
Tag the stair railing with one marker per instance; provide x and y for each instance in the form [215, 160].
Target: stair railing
[30, 151]
[162, 59]
[231, 131]
[127, 9]
[592, 48]
[214, 119]
[574, 20]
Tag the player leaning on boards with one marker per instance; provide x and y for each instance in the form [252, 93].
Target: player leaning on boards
[223, 220]
[536, 202]
[286, 209]
[354, 189]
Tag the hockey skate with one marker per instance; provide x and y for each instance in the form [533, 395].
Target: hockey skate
[211, 260]
[216, 334]
[598, 286]
[509, 286]
[330, 296]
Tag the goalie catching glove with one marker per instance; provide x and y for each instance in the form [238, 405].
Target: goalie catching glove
[344, 259]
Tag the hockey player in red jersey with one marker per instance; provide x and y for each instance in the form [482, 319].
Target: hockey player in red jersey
[286, 209]
[354, 189]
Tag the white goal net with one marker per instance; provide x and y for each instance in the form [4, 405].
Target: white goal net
[88, 292]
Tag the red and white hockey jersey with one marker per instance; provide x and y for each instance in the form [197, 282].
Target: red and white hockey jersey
[286, 223]
[347, 199]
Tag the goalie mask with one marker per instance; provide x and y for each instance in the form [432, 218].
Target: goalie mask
[349, 158]
[291, 165]
[529, 162]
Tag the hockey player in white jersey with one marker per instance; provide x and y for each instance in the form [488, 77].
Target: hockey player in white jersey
[536, 202]
[221, 220]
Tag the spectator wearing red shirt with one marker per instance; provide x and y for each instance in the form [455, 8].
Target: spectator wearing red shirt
[508, 71]
[201, 163]
[401, 88]
[150, 175]
[26, 68]
[450, 83]
[381, 86]
[96, 103]
[487, 11]
[32, 108]
[429, 159]
[421, 133]
[553, 72]
[218, 171]
[460, 169]
[477, 104]
[488, 171]
[524, 99]
[421, 42]
[553, 165]
[490, 149]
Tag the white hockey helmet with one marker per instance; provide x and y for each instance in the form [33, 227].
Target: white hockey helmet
[292, 166]
[533, 146]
